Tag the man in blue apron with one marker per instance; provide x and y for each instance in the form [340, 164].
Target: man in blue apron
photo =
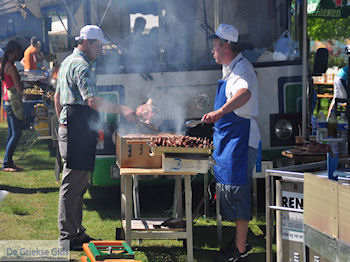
[76, 104]
[236, 136]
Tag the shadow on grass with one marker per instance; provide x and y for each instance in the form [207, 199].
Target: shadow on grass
[173, 254]
[207, 236]
[35, 162]
[104, 200]
[156, 197]
[21, 190]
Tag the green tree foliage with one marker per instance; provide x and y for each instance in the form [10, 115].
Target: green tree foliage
[329, 29]
[324, 29]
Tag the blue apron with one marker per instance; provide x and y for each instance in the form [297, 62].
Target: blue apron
[231, 138]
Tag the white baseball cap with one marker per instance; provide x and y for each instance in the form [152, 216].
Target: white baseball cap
[92, 32]
[226, 32]
[1, 53]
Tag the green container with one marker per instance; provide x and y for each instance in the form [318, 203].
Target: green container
[102, 173]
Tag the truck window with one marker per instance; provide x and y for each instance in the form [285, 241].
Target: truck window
[156, 36]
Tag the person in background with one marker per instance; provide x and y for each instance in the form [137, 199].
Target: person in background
[39, 56]
[12, 96]
[340, 86]
[236, 136]
[30, 59]
[1, 56]
[76, 103]
[135, 48]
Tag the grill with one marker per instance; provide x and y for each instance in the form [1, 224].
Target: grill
[134, 151]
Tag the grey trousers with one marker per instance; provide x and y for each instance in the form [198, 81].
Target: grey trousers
[73, 187]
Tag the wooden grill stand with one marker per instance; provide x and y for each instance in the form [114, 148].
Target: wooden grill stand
[145, 228]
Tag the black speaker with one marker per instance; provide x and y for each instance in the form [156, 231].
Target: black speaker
[283, 129]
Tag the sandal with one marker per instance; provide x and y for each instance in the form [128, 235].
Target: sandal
[10, 169]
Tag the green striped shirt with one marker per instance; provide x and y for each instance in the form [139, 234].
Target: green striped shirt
[76, 82]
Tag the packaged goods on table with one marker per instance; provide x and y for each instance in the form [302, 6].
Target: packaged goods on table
[41, 121]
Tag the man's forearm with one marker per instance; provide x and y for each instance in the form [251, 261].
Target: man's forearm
[237, 101]
[102, 105]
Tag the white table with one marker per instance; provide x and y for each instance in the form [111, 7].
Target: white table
[144, 228]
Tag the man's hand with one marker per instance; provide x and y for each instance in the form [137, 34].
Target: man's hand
[146, 112]
[128, 113]
[212, 116]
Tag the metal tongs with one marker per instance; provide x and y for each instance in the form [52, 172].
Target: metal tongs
[193, 123]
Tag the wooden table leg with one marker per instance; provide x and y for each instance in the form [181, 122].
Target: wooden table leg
[206, 195]
[128, 208]
[136, 196]
[188, 200]
[177, 206]
[218, 216]
[122, 197]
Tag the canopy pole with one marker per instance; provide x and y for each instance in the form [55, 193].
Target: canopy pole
[305, 74]
[216, 14]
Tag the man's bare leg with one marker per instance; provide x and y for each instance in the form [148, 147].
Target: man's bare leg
[241, 234]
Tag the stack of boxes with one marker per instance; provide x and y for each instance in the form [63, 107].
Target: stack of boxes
[326, 209]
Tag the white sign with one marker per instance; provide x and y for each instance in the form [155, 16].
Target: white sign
[34, 250]
[292, 223]
[185, 165]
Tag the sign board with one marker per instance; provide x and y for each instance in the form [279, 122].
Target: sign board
[292, 223]
[328, 8]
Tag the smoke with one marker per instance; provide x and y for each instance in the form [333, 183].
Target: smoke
[174, 43]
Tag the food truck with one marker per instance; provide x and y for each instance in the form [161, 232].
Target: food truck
[170, 59]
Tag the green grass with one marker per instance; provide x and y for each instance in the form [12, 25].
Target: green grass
[29, 212]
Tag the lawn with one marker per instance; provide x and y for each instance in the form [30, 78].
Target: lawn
[29, 212]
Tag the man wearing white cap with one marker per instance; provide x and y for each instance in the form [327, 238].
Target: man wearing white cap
[236, 137]
[76, 104]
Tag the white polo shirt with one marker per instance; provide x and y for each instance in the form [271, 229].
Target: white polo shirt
[240, 74]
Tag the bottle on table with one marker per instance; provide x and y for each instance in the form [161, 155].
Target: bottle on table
[343, 133]
[332, 125]
[321, 132]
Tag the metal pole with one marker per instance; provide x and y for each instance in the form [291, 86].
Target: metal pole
[216, 14]
[70, 13]
[268, 218]
[279, 242]
[305, 73]
[347, 112]
[104, 14]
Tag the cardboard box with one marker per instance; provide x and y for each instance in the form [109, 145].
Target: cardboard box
[135, 155]
[344, 212]
[321, 204]
[183, 164]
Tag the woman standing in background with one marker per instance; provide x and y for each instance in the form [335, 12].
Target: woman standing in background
[12, 97]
